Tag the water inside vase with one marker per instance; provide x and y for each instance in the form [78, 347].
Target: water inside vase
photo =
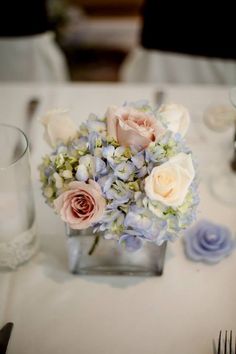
[110, 258]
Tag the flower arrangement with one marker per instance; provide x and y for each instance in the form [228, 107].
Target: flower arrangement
[127, 174]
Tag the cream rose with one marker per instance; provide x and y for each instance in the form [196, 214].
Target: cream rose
[177, 117]
[82, 205]
[59, 128]
[131, 127]
[169, 182]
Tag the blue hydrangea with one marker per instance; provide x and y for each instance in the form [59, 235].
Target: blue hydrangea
[120, 171]
[124, 170]
[132, 242]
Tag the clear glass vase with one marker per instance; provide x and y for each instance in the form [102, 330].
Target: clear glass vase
[91, 254]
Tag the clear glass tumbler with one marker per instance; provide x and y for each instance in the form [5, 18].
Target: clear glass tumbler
[18, 242]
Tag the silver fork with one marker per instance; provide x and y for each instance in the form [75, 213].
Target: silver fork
[225, 344]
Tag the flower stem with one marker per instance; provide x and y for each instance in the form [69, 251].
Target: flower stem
[94, 245]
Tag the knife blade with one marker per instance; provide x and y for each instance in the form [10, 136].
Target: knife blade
[5, 334]
[31, 108]
[233, 162]
[159, 98]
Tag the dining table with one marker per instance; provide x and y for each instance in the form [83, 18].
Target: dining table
[181, 311]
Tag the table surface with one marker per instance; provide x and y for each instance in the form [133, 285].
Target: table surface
[56, 312]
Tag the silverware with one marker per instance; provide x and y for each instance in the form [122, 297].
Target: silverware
[159, 97]
[5, 334]
[225, 344]
[233, 162]
[31, 108]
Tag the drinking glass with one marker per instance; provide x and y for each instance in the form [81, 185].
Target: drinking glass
[18, 242]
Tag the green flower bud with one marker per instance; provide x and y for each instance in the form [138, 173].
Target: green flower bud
[59, 161]
[67, 174]
[48, 192]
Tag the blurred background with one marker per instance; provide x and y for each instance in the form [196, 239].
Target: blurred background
[97, 35]
[117, 40]
[91, 39]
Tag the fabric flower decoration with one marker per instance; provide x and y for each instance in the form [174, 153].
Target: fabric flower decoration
[208, 242]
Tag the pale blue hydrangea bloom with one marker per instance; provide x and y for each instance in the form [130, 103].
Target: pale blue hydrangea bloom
[132, 242]
[124, 170]
[94, 124]
[155, 153]
[49, 170]
[94, 142]
[79, 144]
[112, 223]
[138, 160]
[144, 222]
[86, 168]
[114, 155]
[90, 167]
[138, 218]
[140, 164]
[82, 173]
[105, 182]
[119, 192]
[61, 149]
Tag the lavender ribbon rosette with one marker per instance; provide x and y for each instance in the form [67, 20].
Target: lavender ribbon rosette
[208, 242]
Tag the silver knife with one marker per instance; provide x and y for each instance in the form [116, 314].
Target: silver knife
[233, 162]
[31, 108]
[5, 334]
[159, 97]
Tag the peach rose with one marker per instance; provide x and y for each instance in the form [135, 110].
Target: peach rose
[131, 127]
[82, 205]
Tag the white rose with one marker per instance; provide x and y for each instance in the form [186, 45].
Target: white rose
[169, 182]
[177, 117]
[59, 128]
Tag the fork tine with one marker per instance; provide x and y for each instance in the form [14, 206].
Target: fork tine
[225, 352]
[226, 343]
[219, 344]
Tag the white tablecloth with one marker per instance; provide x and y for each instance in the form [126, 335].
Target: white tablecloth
[56, 312]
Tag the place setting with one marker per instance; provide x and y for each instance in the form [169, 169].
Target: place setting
[117, 177]
[122, 189]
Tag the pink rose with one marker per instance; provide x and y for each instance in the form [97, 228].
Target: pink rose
[131, 127]
[82, 205]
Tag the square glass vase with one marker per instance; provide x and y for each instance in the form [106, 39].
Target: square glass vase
[92, 254]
